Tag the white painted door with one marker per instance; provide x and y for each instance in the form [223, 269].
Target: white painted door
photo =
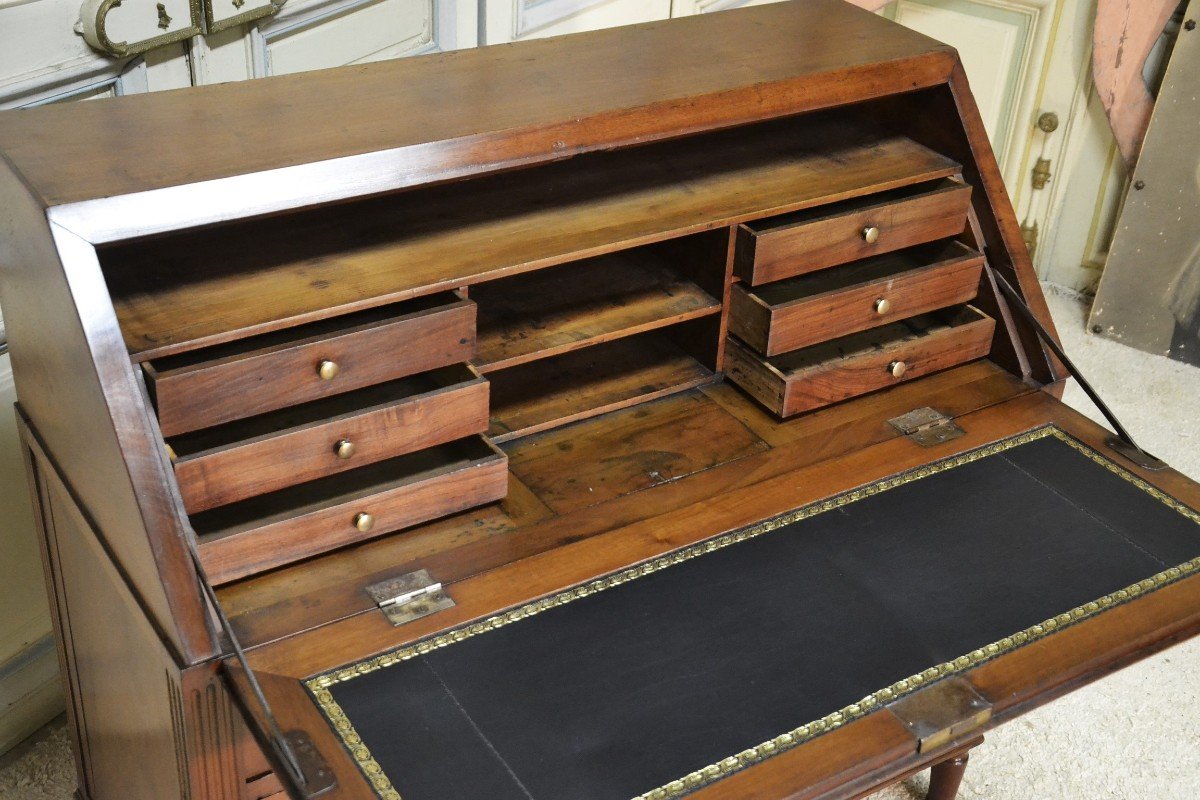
[511, 20]
[316, 34]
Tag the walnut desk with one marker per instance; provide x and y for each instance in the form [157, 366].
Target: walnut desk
[652, 412]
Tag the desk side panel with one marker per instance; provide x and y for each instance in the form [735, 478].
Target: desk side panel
[76, 384]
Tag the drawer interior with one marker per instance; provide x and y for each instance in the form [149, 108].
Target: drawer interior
[265, 426]
[867, 270]
[887, 337]
[794, 219]
[282, 338]
[337, 489]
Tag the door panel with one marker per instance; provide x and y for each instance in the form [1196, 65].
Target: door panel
[1003, 45]
[511, 20]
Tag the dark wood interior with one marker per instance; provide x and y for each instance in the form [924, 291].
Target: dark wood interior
[532, 340]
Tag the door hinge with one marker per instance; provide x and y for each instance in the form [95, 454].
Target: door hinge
[409, 597]
[926, 426]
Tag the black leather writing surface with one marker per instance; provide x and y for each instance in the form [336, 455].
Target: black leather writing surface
[611, 695]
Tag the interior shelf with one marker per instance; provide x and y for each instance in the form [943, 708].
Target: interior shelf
[209, 285]
[554, 311]
[544, 394]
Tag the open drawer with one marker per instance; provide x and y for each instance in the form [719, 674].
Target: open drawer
[1013, 563]
[824, 305]
[226, 382]
[864, 362]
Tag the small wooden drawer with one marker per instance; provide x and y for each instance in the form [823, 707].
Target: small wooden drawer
[820, 306]
[254, 456]
[301, 521]
[853, 365]
[793, 244]
[263, 373]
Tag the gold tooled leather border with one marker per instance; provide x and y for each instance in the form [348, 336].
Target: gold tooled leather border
[320, 685]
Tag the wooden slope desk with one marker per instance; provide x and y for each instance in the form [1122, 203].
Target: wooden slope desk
[641, 416]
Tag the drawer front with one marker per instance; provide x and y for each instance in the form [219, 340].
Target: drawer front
[257, 544]
[772, 250]
[774, 328]
[299, 453]
[204, 394]
[866, 367]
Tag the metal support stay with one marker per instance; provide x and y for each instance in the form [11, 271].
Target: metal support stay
[1123, 442]
[305, 768]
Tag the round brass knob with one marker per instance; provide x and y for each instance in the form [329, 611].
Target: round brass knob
[344, 448]
[870, 234]
[883, 306]
[897, 369]
[364, 522]
[328, 370]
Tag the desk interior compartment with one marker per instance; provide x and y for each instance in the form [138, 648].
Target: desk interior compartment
[242, 378]
[311, 518]
[241, 459]
[812, 377]
[553, 311]
[877, 290]
[815, 238]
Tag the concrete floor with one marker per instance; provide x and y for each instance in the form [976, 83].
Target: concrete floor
[1132, 735]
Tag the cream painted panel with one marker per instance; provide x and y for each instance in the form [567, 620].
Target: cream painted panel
[1005, 49]
[36, 35]
[510, 20]
[43, 60]
[685, 8]
[352, 34]
[989, 49]
[26, 616]
[327, 33]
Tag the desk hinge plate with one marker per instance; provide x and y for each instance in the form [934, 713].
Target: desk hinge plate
[318, 777]
[409, 597]
[942, 713]
[926, 427]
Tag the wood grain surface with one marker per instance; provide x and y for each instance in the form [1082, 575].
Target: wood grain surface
[819, 306]
[202, 288]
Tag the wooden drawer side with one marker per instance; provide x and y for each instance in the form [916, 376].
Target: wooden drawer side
[303, 521]
[824, 305]
[193, 392]
[782, 247]
[854, 365]
[269, 452]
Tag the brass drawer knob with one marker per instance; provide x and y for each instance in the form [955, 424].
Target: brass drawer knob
[897, 369]
[870, 234]
[344, 448]
[328, 370]
[883, 306]
[364, 522]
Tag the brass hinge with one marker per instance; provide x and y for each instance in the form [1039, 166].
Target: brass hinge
[926, 426]
[409, 597]
[939, 714]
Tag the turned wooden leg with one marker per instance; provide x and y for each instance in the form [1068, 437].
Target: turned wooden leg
[946, 777]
